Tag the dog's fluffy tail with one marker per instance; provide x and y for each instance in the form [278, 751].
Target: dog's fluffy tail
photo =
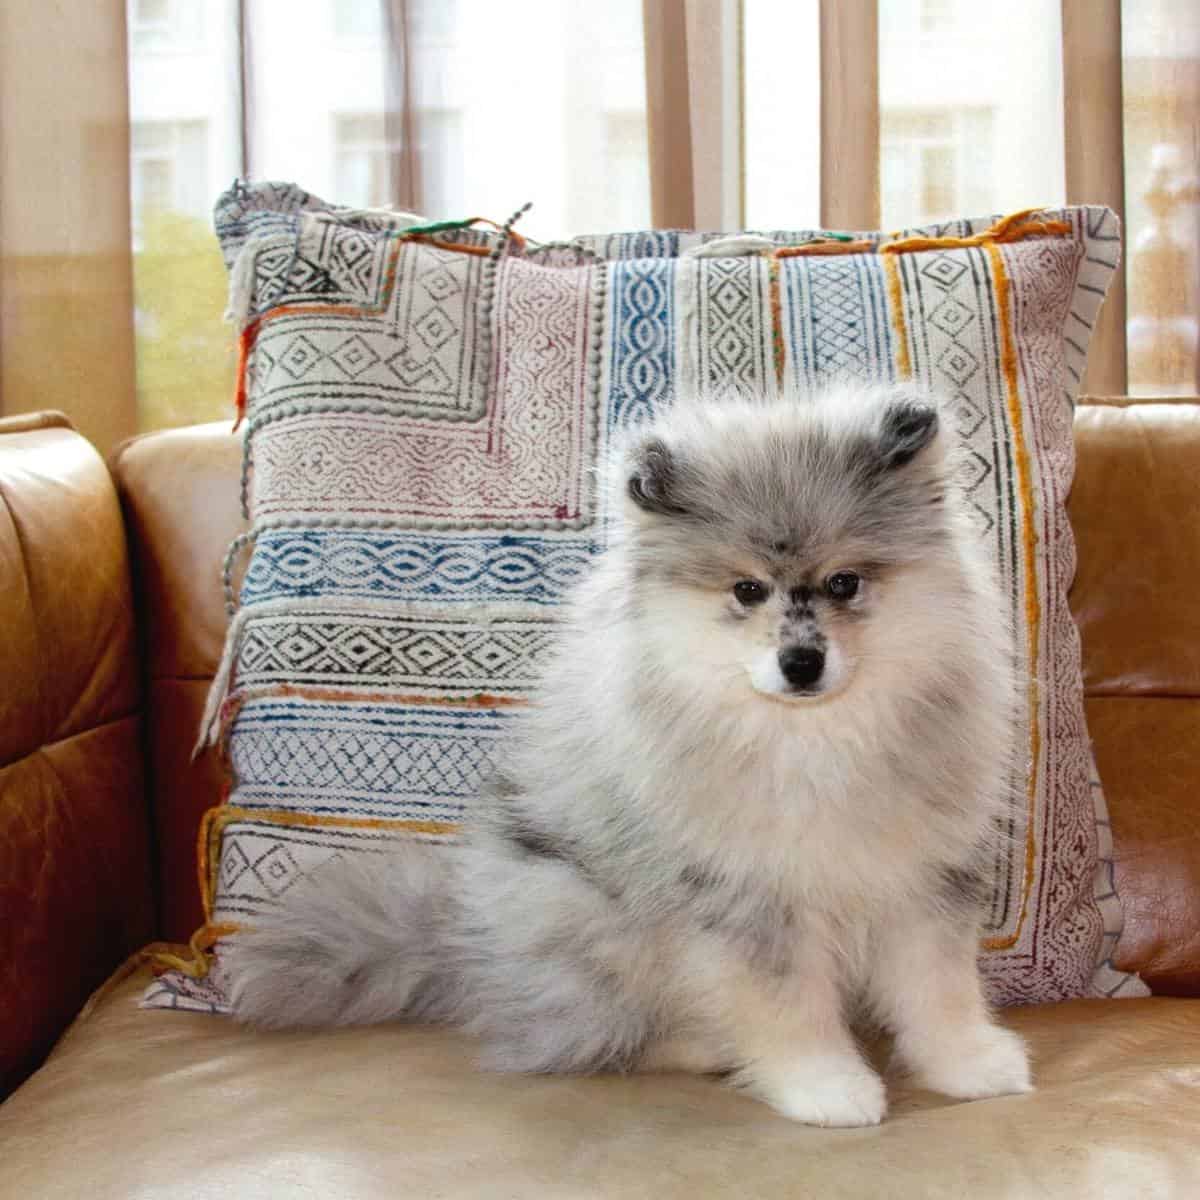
[361, 940]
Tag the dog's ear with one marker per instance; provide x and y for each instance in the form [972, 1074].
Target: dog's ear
[908, 425]
[653, 481]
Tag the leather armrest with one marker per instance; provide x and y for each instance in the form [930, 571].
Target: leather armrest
[76, 892]
[179, 493]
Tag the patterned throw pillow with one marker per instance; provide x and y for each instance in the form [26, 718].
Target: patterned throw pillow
[423, 407]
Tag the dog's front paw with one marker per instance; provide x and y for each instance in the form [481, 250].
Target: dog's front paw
[975, 1063]
[820, 1090]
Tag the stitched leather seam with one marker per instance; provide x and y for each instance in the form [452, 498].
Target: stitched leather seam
[78, 733]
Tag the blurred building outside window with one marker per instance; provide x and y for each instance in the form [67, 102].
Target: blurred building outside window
[548, 105]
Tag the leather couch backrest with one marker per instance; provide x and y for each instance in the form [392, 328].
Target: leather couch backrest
[1136, 511]
[179, 489]
[75, 875]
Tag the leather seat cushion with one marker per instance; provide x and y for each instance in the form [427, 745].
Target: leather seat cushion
[162, 1104]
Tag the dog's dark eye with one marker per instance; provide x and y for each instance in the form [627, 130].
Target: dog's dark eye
[842, 585]
[749, 591]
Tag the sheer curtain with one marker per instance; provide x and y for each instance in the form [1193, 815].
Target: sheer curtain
[66, 327]
[122, 120]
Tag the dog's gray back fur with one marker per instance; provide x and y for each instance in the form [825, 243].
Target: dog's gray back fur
[657, 817]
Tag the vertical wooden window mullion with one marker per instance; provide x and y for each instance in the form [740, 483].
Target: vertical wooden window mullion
[243, 75]
[668, 114]
[715, 100]
[400, 115]
[849, 114]
[1093, 116]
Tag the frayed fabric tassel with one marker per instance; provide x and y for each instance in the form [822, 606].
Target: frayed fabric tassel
[509, 234]
[219, 689]
[241, 276]
[241, 303]
[245, 345]
[738, 245]
[241, 285]
[687, 289]
[1013, 228]
[238, 544]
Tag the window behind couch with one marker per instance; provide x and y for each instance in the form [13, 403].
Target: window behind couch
[446, 107]
[1161, 139]
[763, 113]
[440, 106]
[977, 108]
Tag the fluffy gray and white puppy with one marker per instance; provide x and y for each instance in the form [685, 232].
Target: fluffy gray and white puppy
[751, 805]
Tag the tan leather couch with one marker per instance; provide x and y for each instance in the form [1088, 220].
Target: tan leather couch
[111, 621]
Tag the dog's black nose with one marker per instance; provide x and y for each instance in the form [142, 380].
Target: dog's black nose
[802, 665]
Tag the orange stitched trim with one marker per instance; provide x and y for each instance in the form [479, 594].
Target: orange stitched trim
[203, 855]
[245, 342]
[777, 345]
[304, 820]
[891, 268]
[208, 838]
[479, 700]
[212, 826]
[457, 247]
[512, 233]
[196, 967]
[829, 247]
[215, 820]
[1033, 614]
[1012, 228]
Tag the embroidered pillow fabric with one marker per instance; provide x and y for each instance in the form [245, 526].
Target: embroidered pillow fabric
[422, 411]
